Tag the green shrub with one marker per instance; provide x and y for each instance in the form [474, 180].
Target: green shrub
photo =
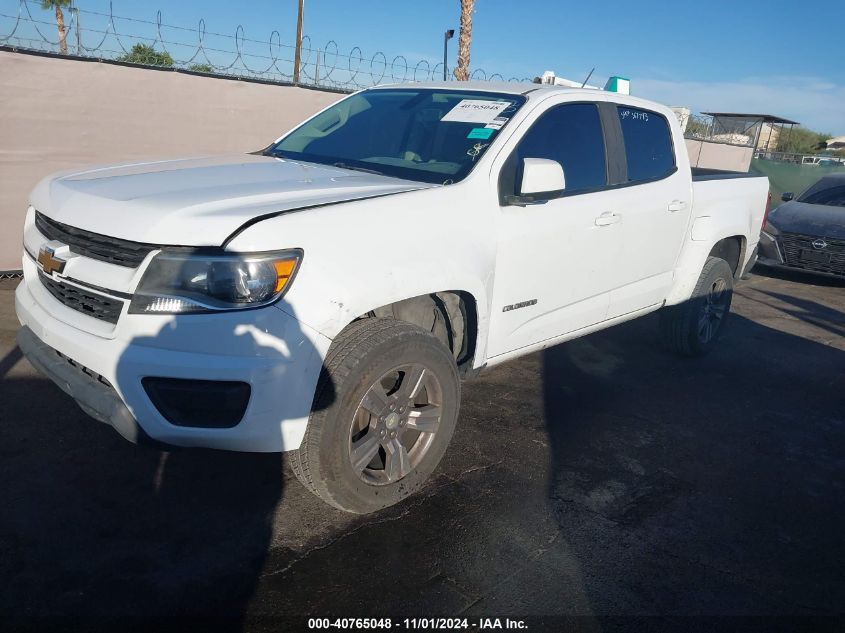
[800, 140]
[146, 54]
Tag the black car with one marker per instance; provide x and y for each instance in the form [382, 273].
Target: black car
[808, 233]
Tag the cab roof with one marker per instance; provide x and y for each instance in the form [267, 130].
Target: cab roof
[507, 87]
[530, 90]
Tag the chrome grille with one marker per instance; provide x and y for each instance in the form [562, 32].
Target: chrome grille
[794, 245]
[90, 303]
[94, 245]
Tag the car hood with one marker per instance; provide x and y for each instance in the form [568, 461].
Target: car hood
[198, 201]
[809, 219]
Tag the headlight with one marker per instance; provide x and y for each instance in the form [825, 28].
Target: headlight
[190, 283]
[770, 230]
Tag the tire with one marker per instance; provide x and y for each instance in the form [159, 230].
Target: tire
[684, 327]
[386, 382]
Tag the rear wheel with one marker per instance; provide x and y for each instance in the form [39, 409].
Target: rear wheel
[384, 413]
[693, 327]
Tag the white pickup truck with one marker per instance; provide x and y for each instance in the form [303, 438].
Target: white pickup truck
[324, 296]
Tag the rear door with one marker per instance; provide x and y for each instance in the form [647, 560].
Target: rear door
[654, 204]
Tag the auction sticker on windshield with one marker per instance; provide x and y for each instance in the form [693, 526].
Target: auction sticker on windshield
[476, 111]
[498, 123]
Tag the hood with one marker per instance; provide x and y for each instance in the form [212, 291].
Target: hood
[809, 219]
[200, 201]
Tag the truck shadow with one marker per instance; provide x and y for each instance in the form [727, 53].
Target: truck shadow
[95, 527]
[10, 360]
[693, 456]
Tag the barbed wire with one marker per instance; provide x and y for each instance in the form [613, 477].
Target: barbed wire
[119, 38]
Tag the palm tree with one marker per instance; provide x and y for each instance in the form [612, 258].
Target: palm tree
[464, 40]
[60, 20]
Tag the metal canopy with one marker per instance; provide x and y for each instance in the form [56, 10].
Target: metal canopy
[739, 128]
[765, 118]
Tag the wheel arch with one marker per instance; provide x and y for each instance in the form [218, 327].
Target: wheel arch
[732, 250]
[451, 315]
[727, 244]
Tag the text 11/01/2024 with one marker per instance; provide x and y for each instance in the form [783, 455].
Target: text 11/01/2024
[424, 624]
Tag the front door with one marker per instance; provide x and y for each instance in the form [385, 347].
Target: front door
[557, 259]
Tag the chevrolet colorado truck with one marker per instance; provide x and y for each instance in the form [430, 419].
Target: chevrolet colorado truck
[326, 295]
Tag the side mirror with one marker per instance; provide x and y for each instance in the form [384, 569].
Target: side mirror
[787, 196]
[541, 178]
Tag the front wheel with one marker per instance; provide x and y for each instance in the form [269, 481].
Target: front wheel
[693, 327]
[384, 413]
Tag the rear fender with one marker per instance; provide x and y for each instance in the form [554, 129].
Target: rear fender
[703, 237]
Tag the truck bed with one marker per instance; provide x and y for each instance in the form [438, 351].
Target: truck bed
[730, 199]
[703, 173]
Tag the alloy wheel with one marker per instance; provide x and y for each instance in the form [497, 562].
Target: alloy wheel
[713, 311]
[394, 424]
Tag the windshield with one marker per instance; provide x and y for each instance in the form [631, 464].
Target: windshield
[429, 135]
[830, 195]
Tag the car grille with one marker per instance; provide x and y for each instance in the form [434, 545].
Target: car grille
[794, 245]
[90, 303]
[94, 245]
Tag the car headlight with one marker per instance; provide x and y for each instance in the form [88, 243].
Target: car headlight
[770, 230]
[191, 283]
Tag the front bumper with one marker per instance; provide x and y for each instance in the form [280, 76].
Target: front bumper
[93, 393]
[771, 255]
[274, 353]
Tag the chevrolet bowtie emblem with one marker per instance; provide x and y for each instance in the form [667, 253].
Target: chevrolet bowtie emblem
[49, 262]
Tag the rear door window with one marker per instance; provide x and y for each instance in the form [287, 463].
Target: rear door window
[648, 144]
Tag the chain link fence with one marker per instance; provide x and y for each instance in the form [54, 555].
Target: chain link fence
[802, 159]
[704, 127]
[697, 126]
[24, 25]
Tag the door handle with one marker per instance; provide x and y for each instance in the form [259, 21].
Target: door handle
[607, 218]
[677, 205]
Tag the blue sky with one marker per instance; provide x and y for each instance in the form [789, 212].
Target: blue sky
[776, 56]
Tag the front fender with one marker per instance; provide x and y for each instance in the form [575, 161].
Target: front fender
[359, 256]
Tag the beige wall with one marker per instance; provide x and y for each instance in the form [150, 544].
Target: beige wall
[768, 138]
[59, 114]
[719, 155]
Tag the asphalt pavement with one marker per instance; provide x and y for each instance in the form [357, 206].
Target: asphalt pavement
[601, 477]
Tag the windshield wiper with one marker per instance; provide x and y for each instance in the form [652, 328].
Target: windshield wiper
[343, 165]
